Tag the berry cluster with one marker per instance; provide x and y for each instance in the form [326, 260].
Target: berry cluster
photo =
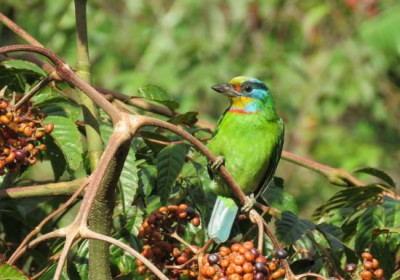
[241, 261]
[21, 135]
[370, 268]
[161, 247]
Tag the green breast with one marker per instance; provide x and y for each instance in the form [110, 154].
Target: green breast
[246, 141]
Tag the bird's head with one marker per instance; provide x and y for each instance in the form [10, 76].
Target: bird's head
[247, 94]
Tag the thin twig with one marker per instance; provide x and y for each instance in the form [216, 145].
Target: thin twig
[34, 90]
[258, 220]
[39, 227]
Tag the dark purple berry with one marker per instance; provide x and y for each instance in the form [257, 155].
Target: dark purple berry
[213, 259]
[255, 252]
[19, 155]
[281, 254]
[259, 276]
[261, 267]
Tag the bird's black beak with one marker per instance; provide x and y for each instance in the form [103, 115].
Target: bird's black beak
[227, 89]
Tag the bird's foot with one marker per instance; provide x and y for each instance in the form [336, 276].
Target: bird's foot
[217, 163]
[251, 200]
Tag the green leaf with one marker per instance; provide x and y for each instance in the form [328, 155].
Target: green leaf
[276, 197]
[11, 272]
[56, 156]
[129, 179]
[81, 259]
[157, 94]
[290, 228]
[169, 164]
[147, 179]
[47, 96]
[188, 118]
[24, 65]
[135, 218]
[377, 173]
[372, 218]
[68, 138]
[352, 197]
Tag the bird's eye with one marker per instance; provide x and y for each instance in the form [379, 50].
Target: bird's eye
[247, 88]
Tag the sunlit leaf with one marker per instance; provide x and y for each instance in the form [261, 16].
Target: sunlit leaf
[129, 179]
[24, 65]
[11, 272]
[169, 164]
[68, 138]
[157, 94]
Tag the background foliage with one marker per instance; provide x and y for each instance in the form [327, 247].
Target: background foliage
[333, 69]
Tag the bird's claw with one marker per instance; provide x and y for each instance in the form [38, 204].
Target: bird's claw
[251, 200]
[217, 163]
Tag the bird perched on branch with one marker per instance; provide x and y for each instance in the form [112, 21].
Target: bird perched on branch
[248, 141]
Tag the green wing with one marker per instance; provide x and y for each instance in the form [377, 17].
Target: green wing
[275, 157]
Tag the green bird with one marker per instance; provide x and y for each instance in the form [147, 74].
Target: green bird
[248, 140]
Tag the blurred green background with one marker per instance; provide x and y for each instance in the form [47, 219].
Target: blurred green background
[333, 67]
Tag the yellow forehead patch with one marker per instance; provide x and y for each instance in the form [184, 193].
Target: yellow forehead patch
[237, 81]
[240, 102]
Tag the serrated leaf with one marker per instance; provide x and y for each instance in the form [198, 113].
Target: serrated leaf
[11, 272]
[349, 198]
[47, 96]
[157, 94]
[290, 228]
[169, 164]
[188, 118]
[135, 218]
[24, 65]
[378, 174]
[68, 138]
[276, 197]
[334, 235]
[372, 218]
[129, 179]
[147, 179]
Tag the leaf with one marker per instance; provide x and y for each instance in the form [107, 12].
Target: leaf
[56, 156]
[276, 197]
[47, 96]
[68, 138]
[377, 173]
[290, 228]
[188, 118]
[153, 140]
[24, 65]
[81, 260]
[147, 179]
[129, 179]
[11, 272]
[135, 218]
[169, 164]
[348, 198]
[372, 218]
[334, 236]
[157, 94]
